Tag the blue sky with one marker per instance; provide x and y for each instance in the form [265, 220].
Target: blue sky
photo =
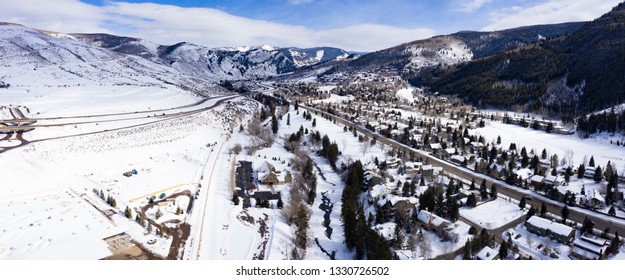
[364, 25]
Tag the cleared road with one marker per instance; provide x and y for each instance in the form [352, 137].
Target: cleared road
[576, 214]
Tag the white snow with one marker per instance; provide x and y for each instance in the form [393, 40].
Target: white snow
[493, 214]
[554, 143]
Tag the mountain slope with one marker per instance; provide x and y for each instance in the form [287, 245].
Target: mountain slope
[33, 58]
[218, 63]
[581, 72]
[456, 48]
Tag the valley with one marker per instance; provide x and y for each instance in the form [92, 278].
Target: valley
[467, 146]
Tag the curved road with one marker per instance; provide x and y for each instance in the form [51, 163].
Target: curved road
[20, 129]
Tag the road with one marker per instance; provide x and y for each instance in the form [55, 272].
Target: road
[576, 214]
[199, 230]
[149, 120]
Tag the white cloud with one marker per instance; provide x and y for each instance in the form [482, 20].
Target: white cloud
[550, 11]
[167, 24]
[298, 2]
[470, 6]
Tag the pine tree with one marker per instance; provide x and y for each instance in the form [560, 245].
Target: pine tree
[280, 203]
[467, 251]
[314, 122]
[493, 191]
[530, 213]
[471, 200]
[612, 211]
[565, 213]
[235, 198]
[543, 209]
[288, 119]
[598, 176]
[159, 214]
[149, 228]
[472, 186]
[483, 192]
[503, 250]
[580, 171]
[587, 226]
[274, 124]
[128, 212]
[591, 163]
[522, 203]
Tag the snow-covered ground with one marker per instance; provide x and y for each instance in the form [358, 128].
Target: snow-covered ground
[554, 143]
[49, 208]
[406, 94]
[55, 225]
[493, 214]
[335, 98]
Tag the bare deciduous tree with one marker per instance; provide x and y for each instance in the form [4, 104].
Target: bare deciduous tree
[568, 155]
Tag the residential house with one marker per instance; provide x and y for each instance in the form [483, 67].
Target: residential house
[543, 227]
[487, 254]
[537, 180]
[457, 159]
[268, 175]
[431, 221]
[449, 152]
[588, 247]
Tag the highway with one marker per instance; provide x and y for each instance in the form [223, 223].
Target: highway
[95, 119]
[576, 214]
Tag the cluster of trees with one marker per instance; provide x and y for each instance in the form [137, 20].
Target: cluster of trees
[303, 191]
[610, 122]
[110, 200]
[3, 85]
[329, 151]
[474, 245]
[358, 234]
[434, 200]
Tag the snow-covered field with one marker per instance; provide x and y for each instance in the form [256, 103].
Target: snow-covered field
[55, 225]
[554, 143]
[334, 98]
[493, 214]
[49, 208]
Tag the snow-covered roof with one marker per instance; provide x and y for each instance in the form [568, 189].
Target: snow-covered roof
[487, 254]
[450, 150]
[379, 190]
[588, 246]
[595, 195]
[594, 239]
[265, 167]
[424, 217]
[550, 178]
[524, 173]
[458, 158]
[537, 179]
[553, 227]
[435, 146]
[386, 230]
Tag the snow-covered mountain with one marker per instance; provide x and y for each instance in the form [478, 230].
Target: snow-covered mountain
[32, 58]
[231, 63]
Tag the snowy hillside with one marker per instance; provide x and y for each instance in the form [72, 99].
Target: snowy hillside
[453, 51]
[227, 63]
[32, 58]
